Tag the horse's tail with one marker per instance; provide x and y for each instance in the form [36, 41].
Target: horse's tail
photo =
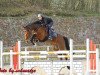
[66, 43]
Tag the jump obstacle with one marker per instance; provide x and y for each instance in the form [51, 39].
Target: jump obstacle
[92, 56]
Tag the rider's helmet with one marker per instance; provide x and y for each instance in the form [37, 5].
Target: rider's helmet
[40, 16]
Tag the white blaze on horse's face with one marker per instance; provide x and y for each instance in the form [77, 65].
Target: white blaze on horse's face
[33, 32]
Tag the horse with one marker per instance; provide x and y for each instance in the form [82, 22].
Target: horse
[40, 32]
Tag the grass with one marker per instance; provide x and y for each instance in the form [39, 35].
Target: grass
[22, 8]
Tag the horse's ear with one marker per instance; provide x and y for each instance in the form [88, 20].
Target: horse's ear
[24, 27]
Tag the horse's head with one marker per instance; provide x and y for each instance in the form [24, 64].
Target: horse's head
[27, 33]
[34, 28]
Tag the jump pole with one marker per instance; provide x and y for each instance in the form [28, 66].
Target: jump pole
[71, 56]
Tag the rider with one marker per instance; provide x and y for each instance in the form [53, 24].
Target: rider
[48, 22]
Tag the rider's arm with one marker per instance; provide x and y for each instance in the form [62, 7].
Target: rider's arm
[49, 22]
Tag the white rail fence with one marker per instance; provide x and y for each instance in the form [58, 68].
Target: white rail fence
[43, 54]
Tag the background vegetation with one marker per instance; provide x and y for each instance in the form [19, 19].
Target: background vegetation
[50, 7]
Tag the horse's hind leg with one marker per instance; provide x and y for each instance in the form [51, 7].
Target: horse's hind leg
[56, 48]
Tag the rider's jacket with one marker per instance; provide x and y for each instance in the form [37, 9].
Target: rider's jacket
[46, 21]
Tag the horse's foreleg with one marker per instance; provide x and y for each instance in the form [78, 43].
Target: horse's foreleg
[32, 42]
[32, 39]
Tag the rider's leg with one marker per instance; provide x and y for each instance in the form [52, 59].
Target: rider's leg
[50, 30]
[50, 34]
[54, 34]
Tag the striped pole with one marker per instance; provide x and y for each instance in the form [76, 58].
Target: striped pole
[92, 55]
[92, 58]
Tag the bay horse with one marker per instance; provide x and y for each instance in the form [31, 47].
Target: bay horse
[40, 32]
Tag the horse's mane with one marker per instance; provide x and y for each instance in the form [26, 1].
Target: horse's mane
[37, 22]
[33, 24]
